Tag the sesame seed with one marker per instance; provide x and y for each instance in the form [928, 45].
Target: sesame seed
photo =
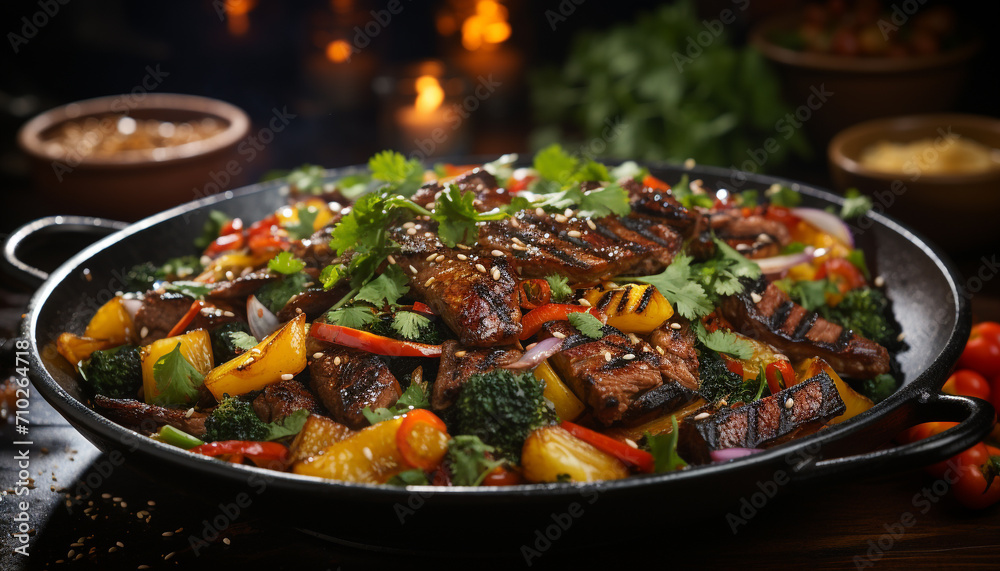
[463, 247]
[116, 499]
[124, 505]
[77, 544]
[591, 224]
[755, 297]
[287, 377]
[631, 443]
[411, 231]
[119, 544]
[568, 212]
[660, 350]
[514, 222]
[462, 257]
[702, 416]
[879, 281]
[742, 247]
[412, 269]
[439, 258]
[574, 234]
[317, 355]
[764, 238]
[336, 360]
[228, 313]
[560, 218]
[106, 496]
[429, 281]
[428, 234]
[628, 356]
[585, 303]
[189, 412]
[633, 337]
[517, 240]
[230, 275]
[607, 356]
[112, 549]
[558, 335]
[408, 225]
[144, 332]
[169, 555]
[70, 554]
[497, 254]
[689, 163]
[367, 453]
[461, 353]
[226, 540]
[496, 274]
[481, 268]
[790, 402]
[900, 337]
[143, 567]
[432, 256]
[539, 211]
[391, 259]
[167, 533]
[530, 347]
[646, 349]
[518, 247]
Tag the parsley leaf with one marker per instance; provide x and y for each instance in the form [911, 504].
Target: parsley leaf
[723, 341]
[810, 294]
[386, 289]
[354, 317]
[274, 295]
[196, 290]
[331, 275]
[413, 397]
[409, 324]
[676, 285]
[597, 203]
[177, 381]
[628, 169]
[592, 171]
[403, 176]
[470, 460]
[587, 324]
[857, 259]
[286, 263]
[749, 198]
[553, 163]
[412, 477]
[242, 340]
[457, 216]
[210, 231]
[855, 204]
[304, 227]
[287, 426]
[720, 276]
[783, 196]
[307, 179]
[559, 287]
[663, 447]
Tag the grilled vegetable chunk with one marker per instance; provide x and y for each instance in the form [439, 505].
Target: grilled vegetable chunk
[552, 454]
[632, 308]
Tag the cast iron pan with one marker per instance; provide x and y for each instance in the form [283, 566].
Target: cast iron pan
[928, 302]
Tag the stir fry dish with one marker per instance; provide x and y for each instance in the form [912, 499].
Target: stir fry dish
[491, 325]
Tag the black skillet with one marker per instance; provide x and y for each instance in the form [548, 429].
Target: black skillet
[929, 302]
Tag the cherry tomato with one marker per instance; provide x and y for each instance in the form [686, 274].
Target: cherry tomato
[422, 439]
[982, 351]
[782, 215]
[968, 383]
[518, 184]
[653, 182]
[503, 475]
[842, 273]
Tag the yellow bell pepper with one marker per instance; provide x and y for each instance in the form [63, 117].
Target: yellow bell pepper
[567, 405]
[75, 348]
[317, 434]
[632, 308]
[856, 402]
[289, 215]
[280, 353]
[111, 322]
[551, 451]
[196, 347]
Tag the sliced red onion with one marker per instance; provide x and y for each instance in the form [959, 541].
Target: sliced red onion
[540, 352]
[827, 222]
[132, 306]
[778, 264]
[731, 453]
[262, 321]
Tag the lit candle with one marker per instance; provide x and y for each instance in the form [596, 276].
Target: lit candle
[423, 125]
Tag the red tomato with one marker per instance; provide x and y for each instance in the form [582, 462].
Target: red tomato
[782, 215]
[503, 475]
[968, 383]
[420, 439]
[982, 351]
[842, 273]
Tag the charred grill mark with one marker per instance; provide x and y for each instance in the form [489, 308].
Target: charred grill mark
[804, 326]
[844, 338]
[647, 295]
[623, 302]
[781, 314]
[605, 301]
[641, 227]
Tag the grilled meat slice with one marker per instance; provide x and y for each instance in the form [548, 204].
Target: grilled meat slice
[347, 381]
[315, 250]
[678, 356]
[731, 224]
[477, 181]
[159, 313]
[659, 204]
[584, 250]
[659, 400]
[459, 363]
[241, 287]
[313, 302]
[763, 423]
[148, 418]
[474, 293]
[281, 399]
[609, 373]
[800, 334]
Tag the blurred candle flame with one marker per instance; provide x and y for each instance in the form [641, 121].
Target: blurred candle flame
[338, 51]
[487, 27]
[236, 15]
[430, 95]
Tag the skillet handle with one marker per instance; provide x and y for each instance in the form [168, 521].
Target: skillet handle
[30, 275]
[975, 418]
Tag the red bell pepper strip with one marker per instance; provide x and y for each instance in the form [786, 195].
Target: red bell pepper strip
[187, 319]
[415, 442]
[534, 319]
[257, 451]
[842, 273]
[370, 342]
[779, 375]
[421, 307]
[534, 293]
[638, 459]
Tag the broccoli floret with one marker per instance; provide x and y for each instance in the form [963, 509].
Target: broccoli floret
[140, 277]
[115, 373]
[501, 408]
[866, 311]
[879, 388]
[234, 419]
[223, 348]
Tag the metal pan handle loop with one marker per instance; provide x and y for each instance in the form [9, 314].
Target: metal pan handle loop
[30, 275]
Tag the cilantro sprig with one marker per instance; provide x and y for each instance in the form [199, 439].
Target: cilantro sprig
[413, 397]
[587, 324]
[286, 263]
[400, 175]
[176, 379]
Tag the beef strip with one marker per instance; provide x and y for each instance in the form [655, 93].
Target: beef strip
[474, 292]
[731, 224]
[313, 302]
[241, 287]
[678, 356]
[647, 202]
[459, 363]
[160, 311]
[766, 313]
[281, 399]
[798, 410]
[148, 418]
[477, 181]
[347, 381]
[315, 250]
[609, 373]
